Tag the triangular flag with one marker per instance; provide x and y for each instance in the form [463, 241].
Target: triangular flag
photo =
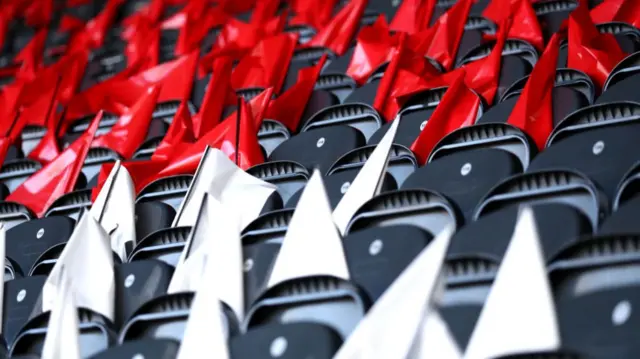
[339, 32]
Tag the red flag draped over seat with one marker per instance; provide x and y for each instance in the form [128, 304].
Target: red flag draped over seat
[449, 28]
[179, 132]
[591, 51]
[289, 107]
[375, 47]
[312, 12]
[213, 102]
[241, 143]
[407, 72]
[130, 130]
[186, 161]
[533, 113]
[267, 63]
[458, 108]
[56, 178]
[413, 16]
[617, 10]
[483, 75]
[339, 32]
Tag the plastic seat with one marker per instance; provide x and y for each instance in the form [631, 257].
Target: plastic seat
[424, 209]
[465, 177]
[27, 241]
[71, 204]
[360, 116]
[288, 176]
[259, 259]
[13, 173]
[376, 256]
[151, 217]
[551, 14]
[286, 341]
[137, 283]
[169, 190]
[145, 348]
[21, 296]
[271, 134]
[96, 157]
[164, 245]
[320, 147]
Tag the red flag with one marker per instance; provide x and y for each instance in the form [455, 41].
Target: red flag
[497, 10]
[590, 51]
[96, 29]
[311, 12]
[140, 171]
[375, 47]
[339, 32]
[533, 113]
[617, 10]
[413, 16]
[241, 144]
[214, 98]
[56, 178]
[449, 29]
[264, 11]
[237, 38]
[30, 57]
[186, 161]
[407, 72]
[458, 108]
[43, 114]
[266, 65]
[174, 77]
[180, 132]
[130, 130]
[525, 25]
[289, 107]
[483, 75]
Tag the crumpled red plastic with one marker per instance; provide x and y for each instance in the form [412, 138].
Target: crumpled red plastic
[43, 114]
[339, 32]
[312, 12]
[524, 23]
[533, 113]
[413, 16]
[237, 38]
[458, 108]
[407, 73]
[617, 10]
[289, 107]
[128, 133]
[187, 160]
[214, 99]
[591, 51]
[483, 75]
[180, 132]
[375, 47]
[56, 178]
[241, 143]
[266, 64]
[449, 28]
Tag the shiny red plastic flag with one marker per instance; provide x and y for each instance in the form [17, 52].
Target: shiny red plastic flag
[483, 75]
[130, 130]
[43, 114]
[241, 143]
[264, 11]
[38, 13]
[289, 107]
[237, 38]
[187, 160]
[533, 113]
[617, 10]
[449, 29]
[374, 48]
[413, 16]
[267, 64]
[214, 99]
[30, 57]
[97, 28]
[179, 132]
[591, 51]
[407, 72]
[56, 178]
[174, 77]
[312, 12]
[142, 50]
[458, 108]
[525, 25]
[499, 10]
[339, 32]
